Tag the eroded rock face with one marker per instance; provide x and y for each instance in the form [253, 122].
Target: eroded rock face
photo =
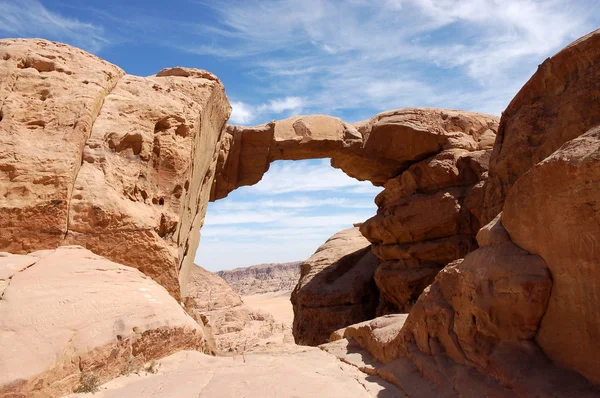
[471, 333]
[429, 214]
[375, 150]
[554, 211]
[50, 97]
[336, 288]
[120, 164]
[231, 326]
[556, 105]
[67, 311]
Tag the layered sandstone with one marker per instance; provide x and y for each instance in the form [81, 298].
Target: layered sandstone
[517, 316]
[375, 150]
[68, 312]
[91, 156]
[429, 214]
[263, 278]
[231, 326]
[335, 289]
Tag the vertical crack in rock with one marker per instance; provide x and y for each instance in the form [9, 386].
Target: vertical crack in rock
[95, 115]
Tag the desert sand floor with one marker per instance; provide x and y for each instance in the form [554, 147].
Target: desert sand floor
[277, 304]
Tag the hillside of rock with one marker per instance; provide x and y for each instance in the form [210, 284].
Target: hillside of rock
[230, 326]
[263, 278]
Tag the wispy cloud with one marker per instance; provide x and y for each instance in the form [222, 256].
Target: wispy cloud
[245, 114]
[472, 54]
[286, 177]
[29, 18]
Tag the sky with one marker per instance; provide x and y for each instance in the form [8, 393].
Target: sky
[351, 59]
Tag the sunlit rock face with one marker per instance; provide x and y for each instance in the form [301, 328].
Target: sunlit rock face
[120, 164]
[431, 161]
[69, 312]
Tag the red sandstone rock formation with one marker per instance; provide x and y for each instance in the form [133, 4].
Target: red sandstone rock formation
[335, 289]
[119, 164]
[517, 316]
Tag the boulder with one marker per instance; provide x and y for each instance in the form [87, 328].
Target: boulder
[94, 157]
[68, 314]
[553, 211]
[335, 289]
[553, 107]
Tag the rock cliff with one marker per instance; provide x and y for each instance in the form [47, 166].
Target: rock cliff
[263, 278]
[119, 164]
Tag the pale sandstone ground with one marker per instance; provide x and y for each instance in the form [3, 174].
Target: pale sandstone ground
[306, 372]
[277, 304]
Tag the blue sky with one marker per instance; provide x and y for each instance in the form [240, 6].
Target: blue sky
[350, 59]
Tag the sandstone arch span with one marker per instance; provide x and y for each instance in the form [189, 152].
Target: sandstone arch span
[376, 149]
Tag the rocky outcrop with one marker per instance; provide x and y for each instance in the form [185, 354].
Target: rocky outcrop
[66, 314]
[91, 156]
[336, 288]
[554, 211]
[263, 278]
[230, 326]
[517, 316]
[375, 150]
[429, 214]
[553, 107]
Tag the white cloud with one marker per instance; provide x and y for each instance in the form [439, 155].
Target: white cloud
[470, 54]
[286, 177]
[245, 114]
[241, 113]
[29, 18]
[296, 206]
[302, 202]
[284, 104]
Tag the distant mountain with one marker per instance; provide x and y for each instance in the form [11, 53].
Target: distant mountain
[263, 278]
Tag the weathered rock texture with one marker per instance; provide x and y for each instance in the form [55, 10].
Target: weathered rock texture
[67, 312]
[375, 150]
[429, 214]
[120, 164]
[263, 278]
[518, 316]
[336, 288]
[470, 333]
[230, 326]
[557, 104]
[554, 211]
